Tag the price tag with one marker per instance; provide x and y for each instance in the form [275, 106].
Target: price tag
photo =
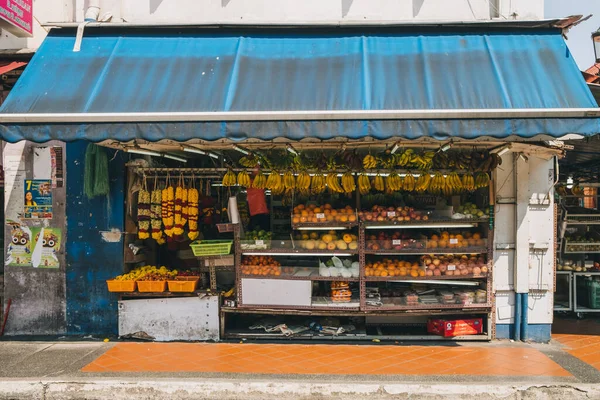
[396, 242]
[391, 213]
[451, 267]
[453, 241]
[320, 216]
[260, 242]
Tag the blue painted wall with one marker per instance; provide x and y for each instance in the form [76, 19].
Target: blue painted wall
[91, 309]
[539, 333]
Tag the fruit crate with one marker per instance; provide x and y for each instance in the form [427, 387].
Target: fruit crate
[593, 294]
[152, 286]
[211, 247]
[187, 278]
[121, 286]
[183, 286]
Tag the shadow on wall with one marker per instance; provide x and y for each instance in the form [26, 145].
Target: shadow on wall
[225, 2]
[417, 5]
[346, 4]
[154, 4]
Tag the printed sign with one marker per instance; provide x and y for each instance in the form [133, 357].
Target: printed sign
[44, 253]
[451, 267]
[453, 241]
[19, 247]
[37, 202]
[17, 17]
[396, 242]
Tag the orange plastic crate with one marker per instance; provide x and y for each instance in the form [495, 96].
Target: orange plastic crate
[151, 286]
[121, 286]
[183, 286]
[187, 278]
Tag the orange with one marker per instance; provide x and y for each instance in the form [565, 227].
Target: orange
[295, 220]
[384, 273]
[414, 273]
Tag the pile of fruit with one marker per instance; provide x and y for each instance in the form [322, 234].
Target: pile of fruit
[581, 243]
[392, 214]
[148, 273]
[469, 210]
[340, 292]
[393, 241]
[327, 241]
[256, 239]
[262, 265]
[455, 241]
[387, 267]
[449, 265]
[313, 213]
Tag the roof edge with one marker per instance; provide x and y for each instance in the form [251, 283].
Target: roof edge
[559, 23]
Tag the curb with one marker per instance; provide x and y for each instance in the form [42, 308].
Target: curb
[215, 389]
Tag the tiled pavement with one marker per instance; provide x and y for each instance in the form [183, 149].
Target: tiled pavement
[491, 360]
[584, 347]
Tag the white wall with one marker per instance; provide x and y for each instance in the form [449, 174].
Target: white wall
[264, 11]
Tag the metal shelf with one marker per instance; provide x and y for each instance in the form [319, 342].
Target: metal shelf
[423, 252]
[298, 252]
[302, 278]
[453, 223]
[431, 307]
[324, 226]
[422, 278]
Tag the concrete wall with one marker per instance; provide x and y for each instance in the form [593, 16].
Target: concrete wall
[38, 294]
[264, 11]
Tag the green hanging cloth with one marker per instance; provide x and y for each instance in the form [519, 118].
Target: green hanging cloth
[95, 179]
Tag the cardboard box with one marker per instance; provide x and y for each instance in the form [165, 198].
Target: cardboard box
[458, 327]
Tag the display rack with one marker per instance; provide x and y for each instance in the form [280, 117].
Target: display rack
[483, 281]
[561, 305]
[576, 306]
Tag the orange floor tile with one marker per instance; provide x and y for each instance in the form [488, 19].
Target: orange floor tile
[584, 347]
[325, 359]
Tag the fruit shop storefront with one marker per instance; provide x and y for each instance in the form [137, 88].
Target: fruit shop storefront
[297, 182]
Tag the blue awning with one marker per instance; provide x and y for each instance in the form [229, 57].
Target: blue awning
[216, 84]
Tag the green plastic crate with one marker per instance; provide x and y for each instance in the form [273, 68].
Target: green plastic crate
[594, 294]
[211, 247]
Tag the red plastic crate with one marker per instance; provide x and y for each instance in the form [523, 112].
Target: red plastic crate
[458, 327]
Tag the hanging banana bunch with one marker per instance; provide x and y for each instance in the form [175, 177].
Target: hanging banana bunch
[369, 162]
[260, 181]
[303, 182]
[168, 209]
[289, 181]
[378, 183]
[364, 184]
[423, 182]
[404, 158]
[333, 183]
[243, 179]
[455, 183]
[274, 182]
[393, 182]
[144, 214]
[193, 203]
[229, 179]
[409, 182]
[438, 182]
[317, 185]
[482, 179]
[156, 214]
[348, 182]
[468, 182]
[447, 189]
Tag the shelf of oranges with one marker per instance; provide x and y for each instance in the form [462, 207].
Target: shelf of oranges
[312, 216]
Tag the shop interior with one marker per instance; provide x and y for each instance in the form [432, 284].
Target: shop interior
[316, 241]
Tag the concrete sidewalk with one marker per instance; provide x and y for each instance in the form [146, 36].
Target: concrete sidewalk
[497, 370]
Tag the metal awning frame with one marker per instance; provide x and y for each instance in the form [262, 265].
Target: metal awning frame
[304, 115]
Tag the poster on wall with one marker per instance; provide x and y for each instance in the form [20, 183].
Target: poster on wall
[19, 247]
[47, 245]
[37, 201]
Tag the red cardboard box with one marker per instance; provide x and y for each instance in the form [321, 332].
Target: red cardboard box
[459, 327]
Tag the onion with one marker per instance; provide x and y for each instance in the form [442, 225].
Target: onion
[437, 272]
[431, 267]
[429, 273]
[449, 273]
[476, 271]
[464, 272]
